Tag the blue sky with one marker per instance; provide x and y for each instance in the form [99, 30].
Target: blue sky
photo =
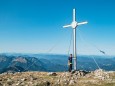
[35, 26]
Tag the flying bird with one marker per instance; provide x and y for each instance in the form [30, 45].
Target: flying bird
[102, 51]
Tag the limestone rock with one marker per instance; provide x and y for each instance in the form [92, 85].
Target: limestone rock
[52, 74]
[72, 82]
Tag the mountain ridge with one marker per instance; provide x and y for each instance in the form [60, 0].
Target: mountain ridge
[53, 63]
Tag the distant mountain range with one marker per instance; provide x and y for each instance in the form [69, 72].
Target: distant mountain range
[55, 63]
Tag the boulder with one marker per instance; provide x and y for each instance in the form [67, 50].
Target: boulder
[72, 82]
[52, 74]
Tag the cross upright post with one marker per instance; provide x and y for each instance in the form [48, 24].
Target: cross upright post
[74, 25]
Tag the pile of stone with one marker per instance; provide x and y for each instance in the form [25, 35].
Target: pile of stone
[79, 73]
[101, 74]
[70, 78]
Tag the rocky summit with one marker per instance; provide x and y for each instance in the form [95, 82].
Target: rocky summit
[74, 78]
